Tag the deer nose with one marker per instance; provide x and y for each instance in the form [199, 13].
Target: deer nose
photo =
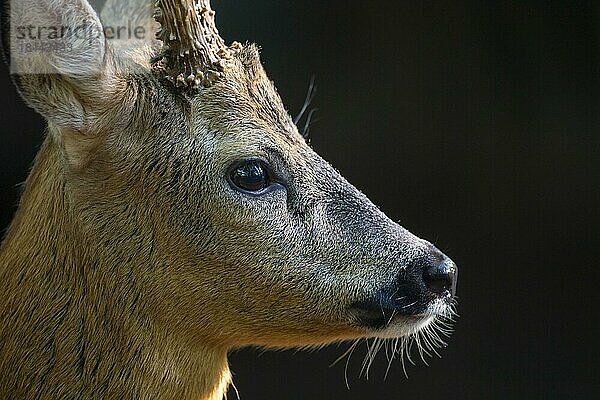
[440, 276]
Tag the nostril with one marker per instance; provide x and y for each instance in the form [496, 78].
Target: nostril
[441, 277]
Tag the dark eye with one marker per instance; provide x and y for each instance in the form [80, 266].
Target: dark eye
[250, 176]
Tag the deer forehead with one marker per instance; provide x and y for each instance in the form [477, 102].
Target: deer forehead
[246, 107]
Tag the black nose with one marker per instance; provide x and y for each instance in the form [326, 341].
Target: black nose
[440, 276]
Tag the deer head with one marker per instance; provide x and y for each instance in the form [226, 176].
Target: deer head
[178, 211]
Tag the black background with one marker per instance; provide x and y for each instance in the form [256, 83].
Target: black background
[477, 126]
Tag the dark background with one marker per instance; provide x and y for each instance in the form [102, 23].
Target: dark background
[478, 127]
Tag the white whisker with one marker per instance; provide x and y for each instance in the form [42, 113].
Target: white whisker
[428, 336]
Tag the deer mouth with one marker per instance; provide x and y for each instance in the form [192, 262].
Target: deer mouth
[384, 321]
[423, 293]
[381, 318]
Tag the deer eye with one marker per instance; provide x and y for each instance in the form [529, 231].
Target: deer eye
[250, 176]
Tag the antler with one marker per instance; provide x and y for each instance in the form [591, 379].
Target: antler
[193, 54]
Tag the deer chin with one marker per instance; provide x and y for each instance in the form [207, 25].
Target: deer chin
[438, 315]
[402, 326]
[429, 329]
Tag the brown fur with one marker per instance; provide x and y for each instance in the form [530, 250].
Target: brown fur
[131, 267]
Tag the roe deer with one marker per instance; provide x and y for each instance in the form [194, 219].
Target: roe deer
[174, 213]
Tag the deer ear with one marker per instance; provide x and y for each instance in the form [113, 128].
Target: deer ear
[130, 29]
[60, 61]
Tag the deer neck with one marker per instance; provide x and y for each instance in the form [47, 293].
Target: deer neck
[70, 329]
